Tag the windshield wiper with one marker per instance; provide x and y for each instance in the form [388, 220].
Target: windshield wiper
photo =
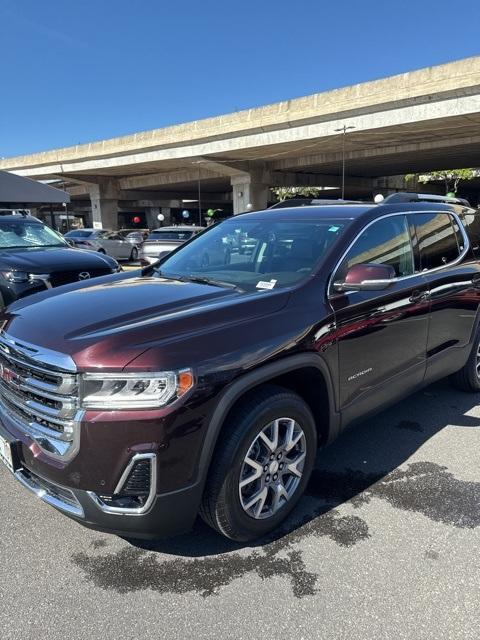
[199, 280]
[210, 281]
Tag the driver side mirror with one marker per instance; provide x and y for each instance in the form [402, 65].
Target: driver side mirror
[367, 277]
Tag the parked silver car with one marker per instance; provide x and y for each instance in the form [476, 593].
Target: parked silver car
[103, 241]
[162, 241]
[134, 236]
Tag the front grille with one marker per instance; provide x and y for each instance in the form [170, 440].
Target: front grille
[66, 277]
[42, 397]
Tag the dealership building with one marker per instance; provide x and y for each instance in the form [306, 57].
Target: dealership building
[379, 131]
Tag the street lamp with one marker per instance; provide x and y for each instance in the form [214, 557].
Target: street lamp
[343, 130]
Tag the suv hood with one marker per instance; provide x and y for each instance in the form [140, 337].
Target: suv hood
[49, 259]
[109, 324]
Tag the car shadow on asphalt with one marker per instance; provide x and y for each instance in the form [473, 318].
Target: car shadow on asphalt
[367, 461]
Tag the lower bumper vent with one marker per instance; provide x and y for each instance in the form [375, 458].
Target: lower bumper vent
[136, 489]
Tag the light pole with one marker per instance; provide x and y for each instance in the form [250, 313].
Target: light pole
[343, 130]
[199, 199]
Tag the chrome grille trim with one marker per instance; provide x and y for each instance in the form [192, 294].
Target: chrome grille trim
[42, 398]
[54, 495]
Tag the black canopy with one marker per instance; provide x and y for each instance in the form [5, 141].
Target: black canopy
[24, 192]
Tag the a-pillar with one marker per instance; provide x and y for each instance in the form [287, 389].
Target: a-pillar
[247, 190]
[104, 198]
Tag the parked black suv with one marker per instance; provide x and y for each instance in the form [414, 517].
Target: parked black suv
[33, 258]
[207, 385]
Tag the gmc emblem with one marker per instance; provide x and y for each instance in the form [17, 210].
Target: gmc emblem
[7, 375]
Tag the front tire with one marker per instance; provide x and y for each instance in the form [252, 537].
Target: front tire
[261, 465]
[468, 378]
[134, 255]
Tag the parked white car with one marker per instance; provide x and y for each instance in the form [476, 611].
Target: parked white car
[103, 241]
[165, 239]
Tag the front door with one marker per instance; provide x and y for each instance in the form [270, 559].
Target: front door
[381, 335]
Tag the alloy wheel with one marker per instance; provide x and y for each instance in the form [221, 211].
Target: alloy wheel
[273, 468]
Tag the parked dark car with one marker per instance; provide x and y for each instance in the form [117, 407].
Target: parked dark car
[33, 258]
[197, 388]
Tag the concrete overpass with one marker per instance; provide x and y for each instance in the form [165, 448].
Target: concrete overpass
[415, 122]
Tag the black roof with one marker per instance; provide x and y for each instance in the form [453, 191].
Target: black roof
[15, 217]
[311, 212]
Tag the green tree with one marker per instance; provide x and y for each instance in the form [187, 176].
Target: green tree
[282, 193]
[450, 177]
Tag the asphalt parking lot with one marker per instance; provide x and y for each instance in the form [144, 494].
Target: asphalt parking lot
[385, 545]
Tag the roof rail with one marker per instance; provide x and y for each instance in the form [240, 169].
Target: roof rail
[424, 197]
[311, 202]
[13, 212]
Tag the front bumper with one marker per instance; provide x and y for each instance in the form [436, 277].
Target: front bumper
[164, 515]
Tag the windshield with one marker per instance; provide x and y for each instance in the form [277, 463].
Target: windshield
[170, 235]
[16, 234]
[78, 233]
[254, 254]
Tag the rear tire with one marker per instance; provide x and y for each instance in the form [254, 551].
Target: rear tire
[134, 255]
[468, 378]
[277, 472]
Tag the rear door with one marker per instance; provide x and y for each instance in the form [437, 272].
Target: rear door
[113, 245]
[123, 247]
[453, 279]
[382, 335]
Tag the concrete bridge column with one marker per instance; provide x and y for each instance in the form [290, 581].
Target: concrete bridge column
[248, 190]
[152, 216]
[104, 198]
[167, 212]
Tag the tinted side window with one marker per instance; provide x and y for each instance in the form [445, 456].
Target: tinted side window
[471, 222]
[385, 242]
[437, 240]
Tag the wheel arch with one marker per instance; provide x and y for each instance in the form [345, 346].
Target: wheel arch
[287, 373]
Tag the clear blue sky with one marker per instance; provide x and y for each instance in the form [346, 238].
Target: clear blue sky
[73, 72]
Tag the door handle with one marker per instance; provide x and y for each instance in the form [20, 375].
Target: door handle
[418, 296]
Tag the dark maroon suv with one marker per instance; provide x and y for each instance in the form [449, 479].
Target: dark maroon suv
[206, 383]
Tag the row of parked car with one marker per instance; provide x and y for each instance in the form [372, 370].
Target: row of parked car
[33, 257]
[132, 244]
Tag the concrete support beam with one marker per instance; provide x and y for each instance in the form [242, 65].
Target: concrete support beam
[292, 179]
[104, 198]
[228, 168]
[248, 191]
[409, 150]
[167, 178]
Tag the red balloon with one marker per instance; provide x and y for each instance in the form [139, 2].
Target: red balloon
[136, 219]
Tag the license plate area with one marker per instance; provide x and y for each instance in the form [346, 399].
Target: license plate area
[8, 454]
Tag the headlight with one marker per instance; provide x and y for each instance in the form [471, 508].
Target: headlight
[16, 276]
[134, 390]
